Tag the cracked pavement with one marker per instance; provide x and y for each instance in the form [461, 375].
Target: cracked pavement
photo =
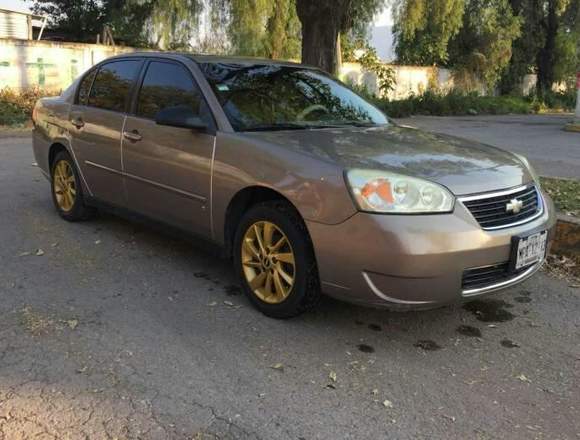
[120, 332]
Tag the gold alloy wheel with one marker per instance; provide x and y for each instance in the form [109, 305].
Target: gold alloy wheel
[65, 190]
[268, 262]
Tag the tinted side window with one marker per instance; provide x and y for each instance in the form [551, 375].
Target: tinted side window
[167, 85]
[112, 85]
[85, 87]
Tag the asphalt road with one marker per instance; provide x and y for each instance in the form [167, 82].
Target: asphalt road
[552, 151]
[117, 331]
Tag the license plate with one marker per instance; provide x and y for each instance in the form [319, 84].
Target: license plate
[529, 250]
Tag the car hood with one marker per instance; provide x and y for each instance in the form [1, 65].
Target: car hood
[463, 166]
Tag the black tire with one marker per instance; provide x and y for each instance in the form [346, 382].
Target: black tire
[79, 210]
[305, 293]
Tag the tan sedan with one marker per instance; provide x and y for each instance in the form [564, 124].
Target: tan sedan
[304, 184]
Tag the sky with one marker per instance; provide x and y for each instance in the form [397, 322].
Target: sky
[15, 5]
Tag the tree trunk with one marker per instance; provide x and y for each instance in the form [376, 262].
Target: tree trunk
[321, 24]
[546, 55]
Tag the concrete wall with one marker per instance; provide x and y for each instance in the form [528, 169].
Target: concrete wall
[410, 80]
[414, 80]
[52, 66]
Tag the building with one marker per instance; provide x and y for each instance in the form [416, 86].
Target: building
[21, 25]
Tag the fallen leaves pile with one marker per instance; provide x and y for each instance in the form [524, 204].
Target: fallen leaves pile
[564, 268]
[565, 193]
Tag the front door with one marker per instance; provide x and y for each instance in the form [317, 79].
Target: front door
[97, 120]
[168, 169]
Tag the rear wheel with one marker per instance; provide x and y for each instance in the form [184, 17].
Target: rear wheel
[274, 259]
[67, 193]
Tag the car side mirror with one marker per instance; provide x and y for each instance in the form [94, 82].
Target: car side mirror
[180, 116]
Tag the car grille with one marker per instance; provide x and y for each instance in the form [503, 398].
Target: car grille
[480, 277]
[491, 212]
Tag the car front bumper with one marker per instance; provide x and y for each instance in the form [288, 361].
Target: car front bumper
[415, 261]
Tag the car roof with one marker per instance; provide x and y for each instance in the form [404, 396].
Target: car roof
[202, 58]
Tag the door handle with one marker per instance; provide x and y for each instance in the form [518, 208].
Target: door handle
[133, 136]
[78, 123]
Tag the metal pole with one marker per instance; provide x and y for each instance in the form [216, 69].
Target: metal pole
[575, 125]
[577, 121]
[42, 28]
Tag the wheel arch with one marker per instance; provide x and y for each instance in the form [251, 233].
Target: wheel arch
[241, 202]
[53, 150]
[56, 147]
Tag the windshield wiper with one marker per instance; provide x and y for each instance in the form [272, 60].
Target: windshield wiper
[360, 124]
[281, 126]
[289, 126]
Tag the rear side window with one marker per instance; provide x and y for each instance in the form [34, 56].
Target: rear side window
[167, 85]
[85, 87]
[112, 85]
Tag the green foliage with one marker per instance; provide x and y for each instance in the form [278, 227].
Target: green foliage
[81, 20]
[483, 47]
[360, 15]
[554, 101]
[491, 40]
[166, 24]
[564, 192]
[11, 115]
[16, 107]
[455, 104]
[264, 28]
[385, 74]
[568, 45]
[548, 46]
[283, 39]
[143, 23]
[423, 29]
[369, 61]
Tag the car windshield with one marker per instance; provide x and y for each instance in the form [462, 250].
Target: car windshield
[279, 97]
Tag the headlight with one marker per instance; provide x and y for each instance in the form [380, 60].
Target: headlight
[530, 168]
[382, 191]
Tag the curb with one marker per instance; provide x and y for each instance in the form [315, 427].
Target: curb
[573, 127]
[567, 237]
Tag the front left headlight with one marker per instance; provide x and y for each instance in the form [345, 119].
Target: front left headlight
[386, 192]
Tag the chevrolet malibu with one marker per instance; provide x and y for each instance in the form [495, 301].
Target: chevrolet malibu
[306, 186]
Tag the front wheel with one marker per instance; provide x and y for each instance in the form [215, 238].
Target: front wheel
[274, 259]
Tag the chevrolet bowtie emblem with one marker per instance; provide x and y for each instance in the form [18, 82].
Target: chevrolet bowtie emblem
[514, 206]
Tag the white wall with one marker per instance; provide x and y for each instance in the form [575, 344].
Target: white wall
[49, 65]
[410, 80]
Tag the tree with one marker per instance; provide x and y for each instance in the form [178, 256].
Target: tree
[549, 43]
[525, 48]
[165, 24]
[322, 23]
[271, 28]
[283, 31]
[472, 37]
[568, 45]
[423, 29]
[81, 20]
[161, 23]
[264, 28]
[482, 48]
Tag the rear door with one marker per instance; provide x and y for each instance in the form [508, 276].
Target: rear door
[167, 169]
[97, 120]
